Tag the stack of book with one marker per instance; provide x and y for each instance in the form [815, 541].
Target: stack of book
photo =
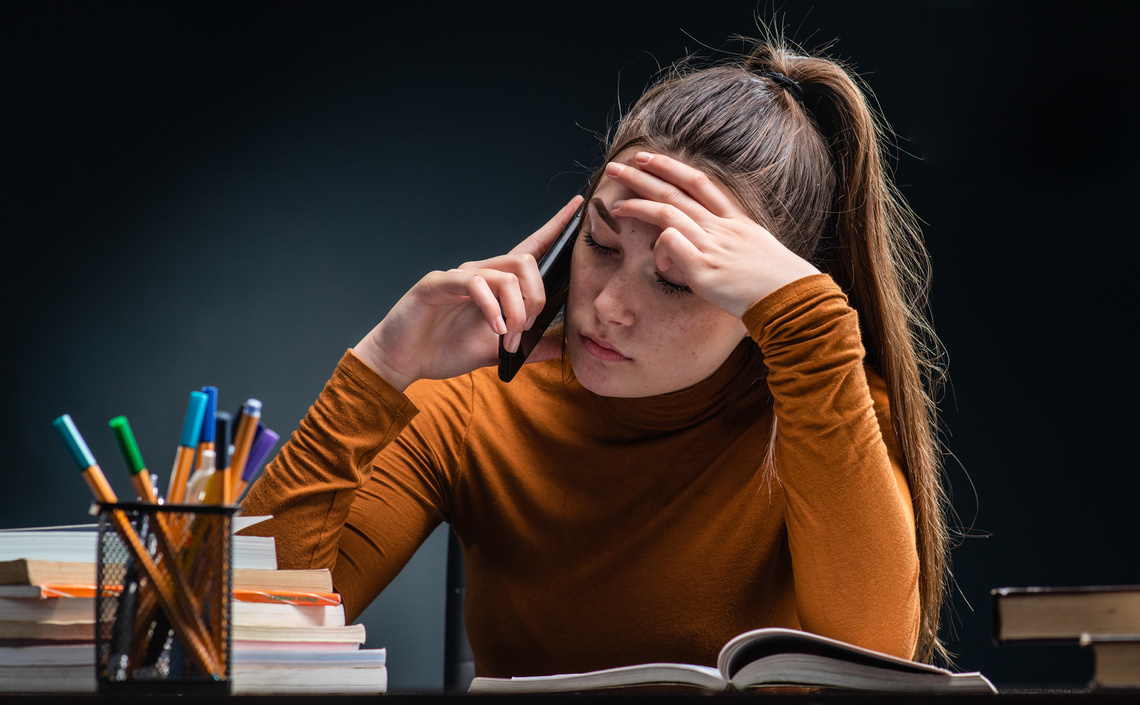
[288, 630]
[1105, 619]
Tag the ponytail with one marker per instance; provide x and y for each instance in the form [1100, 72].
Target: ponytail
[871, 246]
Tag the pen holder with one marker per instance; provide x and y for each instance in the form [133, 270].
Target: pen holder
[163, 599]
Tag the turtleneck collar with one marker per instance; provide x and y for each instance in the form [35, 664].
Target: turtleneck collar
[640, 417]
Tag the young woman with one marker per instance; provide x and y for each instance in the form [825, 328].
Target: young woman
[731, 431]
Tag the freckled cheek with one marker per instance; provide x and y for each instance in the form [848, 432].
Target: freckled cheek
[687, 336]
[589, 279]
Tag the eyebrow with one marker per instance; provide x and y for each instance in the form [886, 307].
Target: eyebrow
[605, 214]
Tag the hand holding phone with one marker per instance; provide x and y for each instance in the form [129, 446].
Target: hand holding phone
[554, 268]
[447, 324]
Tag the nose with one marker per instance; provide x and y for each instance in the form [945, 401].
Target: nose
[614, 304]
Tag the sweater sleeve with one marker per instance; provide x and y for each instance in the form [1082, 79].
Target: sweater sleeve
[849, 516]
[309, 488]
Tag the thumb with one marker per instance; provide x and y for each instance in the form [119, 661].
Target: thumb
[672, 248]
[537, 244]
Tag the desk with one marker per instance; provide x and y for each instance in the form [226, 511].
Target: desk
[1018, 697]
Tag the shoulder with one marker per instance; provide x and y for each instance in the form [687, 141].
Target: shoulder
[481, 394]
[476, 422]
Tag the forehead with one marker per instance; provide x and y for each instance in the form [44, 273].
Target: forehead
[612, 189]
[633, 233]
[602, 200]
[609, 191]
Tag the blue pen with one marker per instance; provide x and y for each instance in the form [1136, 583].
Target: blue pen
[206, 436]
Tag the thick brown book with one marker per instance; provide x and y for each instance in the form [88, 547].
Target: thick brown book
[1065, 614]
[26, 571]
[1116, 661]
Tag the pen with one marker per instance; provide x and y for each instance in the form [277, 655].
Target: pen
[184, 456]
[223, 437]
[169, 537]
[263, 443]
[140, 478]
[223, 430]
[82, 456]
[206, 437]
[243, 442]
[198, 483]
[193, 629]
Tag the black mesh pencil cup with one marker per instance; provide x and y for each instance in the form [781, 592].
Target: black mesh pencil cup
[164, 599]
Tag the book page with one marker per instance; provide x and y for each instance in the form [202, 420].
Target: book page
[640, 676]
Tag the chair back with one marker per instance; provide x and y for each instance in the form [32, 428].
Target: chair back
[458, 661]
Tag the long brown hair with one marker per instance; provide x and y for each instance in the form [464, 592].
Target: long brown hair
[794, 139]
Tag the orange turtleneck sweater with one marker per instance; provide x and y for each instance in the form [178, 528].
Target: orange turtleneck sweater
[600, 532]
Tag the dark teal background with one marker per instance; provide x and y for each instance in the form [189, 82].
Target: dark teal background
[235, 193]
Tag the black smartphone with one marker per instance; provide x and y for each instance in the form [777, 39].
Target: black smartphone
[554, 266]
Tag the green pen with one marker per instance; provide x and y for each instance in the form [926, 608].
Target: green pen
[140, 477]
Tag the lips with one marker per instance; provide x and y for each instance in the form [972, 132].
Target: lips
[602, 350]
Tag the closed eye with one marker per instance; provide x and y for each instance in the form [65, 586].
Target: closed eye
[672, 288]
[600, 250]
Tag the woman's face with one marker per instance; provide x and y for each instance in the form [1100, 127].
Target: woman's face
[630, 330]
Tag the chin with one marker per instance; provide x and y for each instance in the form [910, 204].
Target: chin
[594, 377]
[610, 389]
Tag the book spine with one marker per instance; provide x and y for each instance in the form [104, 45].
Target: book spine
[291, 597]
[288, 596]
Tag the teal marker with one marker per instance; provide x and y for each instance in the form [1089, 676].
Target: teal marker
[74, 442]
[81, 454]
[184, 457]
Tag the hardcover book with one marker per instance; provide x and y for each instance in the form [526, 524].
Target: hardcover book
[1064, 614]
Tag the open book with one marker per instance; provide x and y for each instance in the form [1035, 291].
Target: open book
[762, 658]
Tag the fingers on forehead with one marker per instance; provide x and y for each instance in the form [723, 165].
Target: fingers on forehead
[645, 183]
[660, 213]
[693, 181]
[667, 179]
